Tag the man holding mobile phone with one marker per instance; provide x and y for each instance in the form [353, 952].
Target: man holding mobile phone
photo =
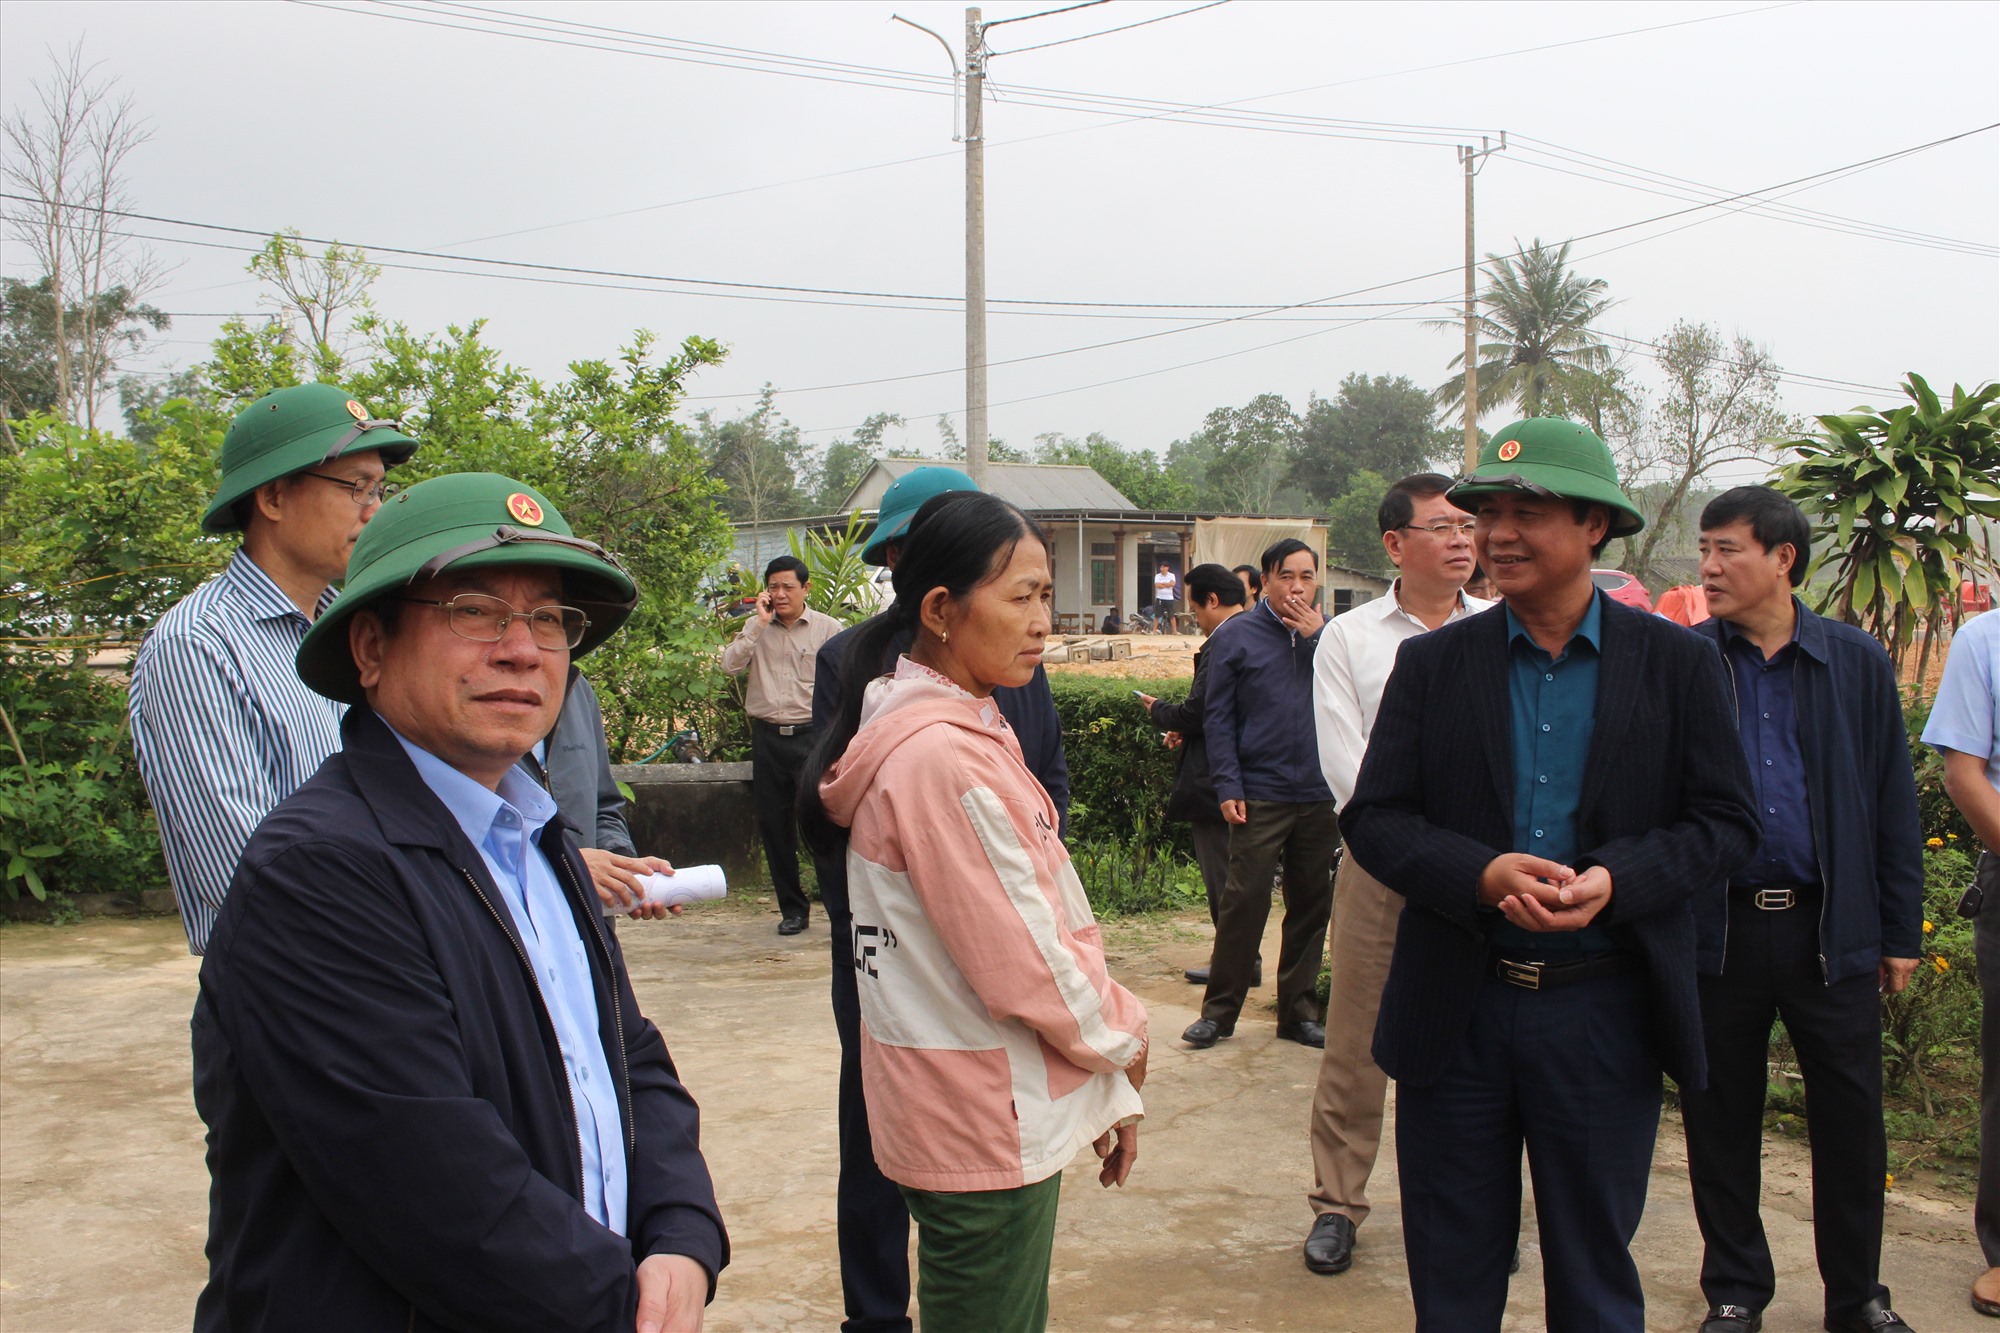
[776, 646]
[1964, 728]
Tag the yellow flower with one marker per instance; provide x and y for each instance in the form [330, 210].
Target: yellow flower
[1889, 1181]
[1942, 965]
[1928, 927]
[1933, 842]
[1952, 836]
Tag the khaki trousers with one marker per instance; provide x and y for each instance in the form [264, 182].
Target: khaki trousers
[1347, 1103]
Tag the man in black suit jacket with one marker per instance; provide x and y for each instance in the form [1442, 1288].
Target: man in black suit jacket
[1549, 784]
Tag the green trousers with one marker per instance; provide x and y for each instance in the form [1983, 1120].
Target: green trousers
[983, 1257]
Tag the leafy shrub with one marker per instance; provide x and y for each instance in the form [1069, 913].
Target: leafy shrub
[73, 813]
[1936, 1017]
[1936, 815]
[1119, 772]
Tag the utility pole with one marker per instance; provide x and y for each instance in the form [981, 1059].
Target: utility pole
[1470, 157]
[975, 248]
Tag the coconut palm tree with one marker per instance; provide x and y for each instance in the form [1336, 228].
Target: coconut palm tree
[1538, 351]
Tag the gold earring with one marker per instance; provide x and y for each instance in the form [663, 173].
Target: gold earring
[944, 636]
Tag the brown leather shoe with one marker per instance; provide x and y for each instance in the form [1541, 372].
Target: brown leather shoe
[1986, 1293]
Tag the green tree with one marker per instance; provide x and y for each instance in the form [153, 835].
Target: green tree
[1898, 497]
[31, 362]
[759, 456]
[1540, 351]
[840, 469]
[1352, 537]
[1719, 407]
[1241, 457]
[1381, 425]
[317, 291]
[1138, 475]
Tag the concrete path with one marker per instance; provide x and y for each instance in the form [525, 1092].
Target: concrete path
[103, 1193]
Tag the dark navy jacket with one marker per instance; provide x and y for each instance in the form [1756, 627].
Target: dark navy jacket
[1259, 713]
[1667, 810]
[391, 1140]
[1864, 801]
[1029, 709]
[1193, 797]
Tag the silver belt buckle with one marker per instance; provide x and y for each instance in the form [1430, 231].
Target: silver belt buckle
[1528, 976]
[1774, 900]
[787, 731]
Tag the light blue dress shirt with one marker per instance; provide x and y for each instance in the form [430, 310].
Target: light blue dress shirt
[504, 826]
[1966, 714]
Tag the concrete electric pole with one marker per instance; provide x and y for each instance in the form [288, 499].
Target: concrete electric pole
[975, 249]
[1469, 157]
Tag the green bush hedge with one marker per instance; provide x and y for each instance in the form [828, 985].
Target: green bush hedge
[1119, 772]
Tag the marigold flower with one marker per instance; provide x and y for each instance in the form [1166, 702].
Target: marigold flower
[1942, 965]
[1928, 927]
[1933, 842]
[1952, 836]
[1889, 1180]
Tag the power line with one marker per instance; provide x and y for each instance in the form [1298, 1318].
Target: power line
[1046, 13]
[1065, 41]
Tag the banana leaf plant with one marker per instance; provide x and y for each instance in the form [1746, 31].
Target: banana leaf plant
[1902, 503]
[842, 584]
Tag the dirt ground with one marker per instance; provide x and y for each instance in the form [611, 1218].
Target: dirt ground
[103, 1192]
[1152, 655]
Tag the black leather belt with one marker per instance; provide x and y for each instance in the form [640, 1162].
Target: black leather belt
[1551, 976]
[1774, 897]
[794, 729]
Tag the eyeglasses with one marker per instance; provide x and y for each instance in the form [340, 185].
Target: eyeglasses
[365, 493]
[1442, 531]
[484, 619]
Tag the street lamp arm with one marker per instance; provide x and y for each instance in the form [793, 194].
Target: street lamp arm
[957, 136]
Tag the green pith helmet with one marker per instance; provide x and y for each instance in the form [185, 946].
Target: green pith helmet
[292, 430]
[1554, 457]
[468, 520]
[901, 502]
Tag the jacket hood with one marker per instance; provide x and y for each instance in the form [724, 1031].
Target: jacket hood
[894, 708]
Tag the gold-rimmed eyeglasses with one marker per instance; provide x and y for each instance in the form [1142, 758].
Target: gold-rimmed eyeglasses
[484, 619]
[1443, 531]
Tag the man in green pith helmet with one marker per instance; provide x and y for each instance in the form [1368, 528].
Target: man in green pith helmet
[1549, 786]
[221, 725]
[431, 1098]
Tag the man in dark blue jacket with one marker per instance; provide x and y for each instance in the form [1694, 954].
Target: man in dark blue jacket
[871, 1221]
[431, 1098]
[1825, 919]
[1550, 785]
[1264, 759]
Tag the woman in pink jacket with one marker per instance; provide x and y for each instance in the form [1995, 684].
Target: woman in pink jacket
[994, 1044]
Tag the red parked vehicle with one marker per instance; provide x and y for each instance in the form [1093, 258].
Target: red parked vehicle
[1622, 587]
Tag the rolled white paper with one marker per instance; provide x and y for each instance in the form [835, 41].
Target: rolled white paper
[688, 884]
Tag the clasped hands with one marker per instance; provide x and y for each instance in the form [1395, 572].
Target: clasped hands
[1541, 895]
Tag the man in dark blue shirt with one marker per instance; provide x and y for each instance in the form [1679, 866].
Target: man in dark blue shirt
[1827, 917]
[1549, 785]
[1264, 758]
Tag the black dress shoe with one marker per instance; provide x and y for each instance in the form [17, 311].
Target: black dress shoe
[1305, 1032]
[1197, 975]
[1204, 1033]
[1874, 1317]
[1330, 1247]
[791, 925]
[1732, 1319]
[1514, 1264]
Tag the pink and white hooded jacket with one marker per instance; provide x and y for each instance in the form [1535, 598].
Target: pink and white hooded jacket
[993, 1040]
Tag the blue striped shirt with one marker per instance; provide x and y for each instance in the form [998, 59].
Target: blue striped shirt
[223, 727]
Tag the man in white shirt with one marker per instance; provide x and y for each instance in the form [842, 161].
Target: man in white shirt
[1429, 539]
[1166, 590]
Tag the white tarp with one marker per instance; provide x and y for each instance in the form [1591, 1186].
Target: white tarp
[1230, 542]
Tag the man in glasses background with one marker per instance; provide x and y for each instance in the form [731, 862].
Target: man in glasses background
[432, 1100]
[1429, 540]
[222, 727]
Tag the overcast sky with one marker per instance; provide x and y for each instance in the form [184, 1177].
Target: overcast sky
[373, 124]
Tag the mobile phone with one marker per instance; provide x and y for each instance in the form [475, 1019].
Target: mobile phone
[1139, 693]
[1969, 905]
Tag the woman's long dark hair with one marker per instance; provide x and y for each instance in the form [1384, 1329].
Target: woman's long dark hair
[957, 541]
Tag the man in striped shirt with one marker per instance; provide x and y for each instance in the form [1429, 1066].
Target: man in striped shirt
[222, 726]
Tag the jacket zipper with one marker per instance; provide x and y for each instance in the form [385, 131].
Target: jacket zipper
[576, 1133]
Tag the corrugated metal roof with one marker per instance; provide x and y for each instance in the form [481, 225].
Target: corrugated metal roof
[1032, 486]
